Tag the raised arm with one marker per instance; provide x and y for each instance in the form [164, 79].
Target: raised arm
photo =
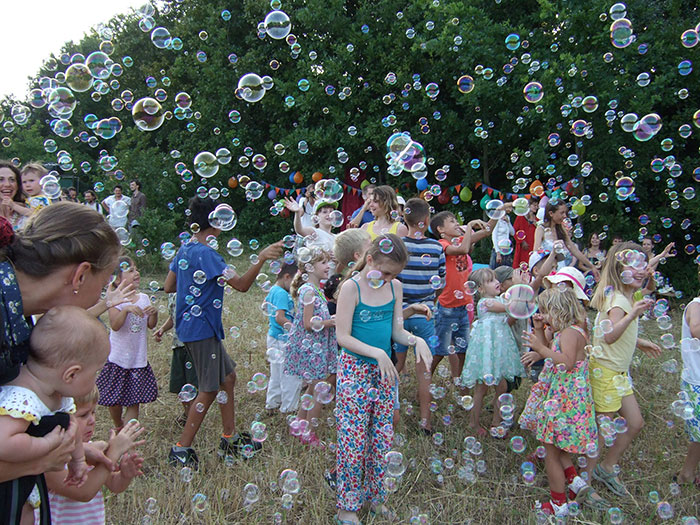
[298, 211]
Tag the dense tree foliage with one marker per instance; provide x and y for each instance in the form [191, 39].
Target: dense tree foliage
[354, 72]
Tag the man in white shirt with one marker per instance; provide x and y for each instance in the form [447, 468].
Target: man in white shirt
[117, 208]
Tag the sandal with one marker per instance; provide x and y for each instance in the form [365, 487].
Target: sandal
[610, 480]
[586, 496]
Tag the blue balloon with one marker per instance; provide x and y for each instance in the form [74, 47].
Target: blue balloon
[422, 184]
[291, 177]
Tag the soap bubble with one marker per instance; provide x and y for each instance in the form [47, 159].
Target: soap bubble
[147, 114]
[223, 217]
[187, 393]
[533, 92]
[328, 190]
[206, 164]
[250, 88]
[277, 25]
[494, 209]
[234, 247]
[520, 301]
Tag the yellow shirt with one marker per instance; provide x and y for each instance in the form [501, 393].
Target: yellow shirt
[618, 355]
[373, 235]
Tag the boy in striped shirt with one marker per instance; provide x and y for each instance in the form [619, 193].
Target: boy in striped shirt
[423, 279]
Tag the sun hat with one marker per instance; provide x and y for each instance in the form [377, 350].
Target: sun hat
[323, 203]
[568, 274]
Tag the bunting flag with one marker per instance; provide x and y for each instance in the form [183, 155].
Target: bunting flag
[407, 186]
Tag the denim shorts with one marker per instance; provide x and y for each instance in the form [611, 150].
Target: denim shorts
[452, 328]
[420, 327]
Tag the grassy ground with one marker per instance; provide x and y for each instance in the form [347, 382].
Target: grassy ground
[498, 495]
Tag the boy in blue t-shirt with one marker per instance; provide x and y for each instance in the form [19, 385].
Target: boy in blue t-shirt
[198, 274]
[283, 390]
[423, 278]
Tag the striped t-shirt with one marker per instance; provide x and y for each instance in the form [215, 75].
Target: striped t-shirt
[65, 511]
[426, 259]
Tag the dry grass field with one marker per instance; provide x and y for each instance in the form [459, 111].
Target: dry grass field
[497, 495]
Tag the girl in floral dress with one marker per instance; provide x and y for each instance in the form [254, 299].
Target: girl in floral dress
[312, 350]
[560, 408]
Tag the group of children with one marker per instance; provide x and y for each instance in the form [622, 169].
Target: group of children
[348, 334]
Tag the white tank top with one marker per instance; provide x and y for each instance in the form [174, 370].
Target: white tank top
[690, 350]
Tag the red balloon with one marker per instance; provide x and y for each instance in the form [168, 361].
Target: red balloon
[444, 197]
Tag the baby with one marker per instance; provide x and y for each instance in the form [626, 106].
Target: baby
[67, 348]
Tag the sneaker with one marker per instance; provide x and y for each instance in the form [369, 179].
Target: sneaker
[575, 487]
[235, 444]
[183, 457]
[549, 508]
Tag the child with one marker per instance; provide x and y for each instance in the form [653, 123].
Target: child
[502, 250]
[319, 234]
[455, 307]
[616, 333]
[349, 247]
[198, 325]
[385, 207]
[127, 379]
[311, 350]
[492, 356]
[690, 384]
[67, 348]
[369, 317]
[31, 176]
[181, 368]
[560, 407]
[282, 389]
[422, 279]
[85, 505]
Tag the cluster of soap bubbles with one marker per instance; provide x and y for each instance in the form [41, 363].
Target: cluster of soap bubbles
[405, 154]
[257, 383]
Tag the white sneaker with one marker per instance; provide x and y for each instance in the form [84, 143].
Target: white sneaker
[558, 510]
[577, 484]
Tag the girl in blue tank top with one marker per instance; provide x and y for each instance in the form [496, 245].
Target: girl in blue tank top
[369, 316]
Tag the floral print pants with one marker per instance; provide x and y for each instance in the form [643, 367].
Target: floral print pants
[364, 413]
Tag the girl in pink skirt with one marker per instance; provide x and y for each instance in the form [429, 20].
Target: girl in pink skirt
[127, 379]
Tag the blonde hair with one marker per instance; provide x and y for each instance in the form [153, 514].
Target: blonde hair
[347, 243]
[610, 274]
[90, 399]
[563, 307]
[66, 335]
[481, 277]
[62, 234]
[35, 166]
[317, 255]
[386, 195]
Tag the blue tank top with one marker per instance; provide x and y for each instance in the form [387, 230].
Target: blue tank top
[373, 325]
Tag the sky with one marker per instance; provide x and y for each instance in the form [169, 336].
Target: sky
[34, 29]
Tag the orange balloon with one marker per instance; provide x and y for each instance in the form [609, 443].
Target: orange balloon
[298, 177]
[233, 182]
[317, 176]
[536, 188]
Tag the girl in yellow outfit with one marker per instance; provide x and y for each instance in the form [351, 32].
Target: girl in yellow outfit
[385, 208]
[615, 337]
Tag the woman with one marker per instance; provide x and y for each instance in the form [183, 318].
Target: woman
[594, 252]
[524, 227]
[12, 205]
[552, 229]
[385, 208]
[65, 255]
[307, 203]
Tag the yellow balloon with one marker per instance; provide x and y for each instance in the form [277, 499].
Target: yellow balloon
[579, 208]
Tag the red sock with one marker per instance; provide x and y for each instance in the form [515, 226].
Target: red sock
[570, 473]
[557, 497]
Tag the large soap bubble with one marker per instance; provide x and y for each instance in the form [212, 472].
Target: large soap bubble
[223, 217]
[250, 88]
[277, 25]
[148, 114]
[520, 301]
[78, 78]
[206, 164]
[494, 209]
[328, 190]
